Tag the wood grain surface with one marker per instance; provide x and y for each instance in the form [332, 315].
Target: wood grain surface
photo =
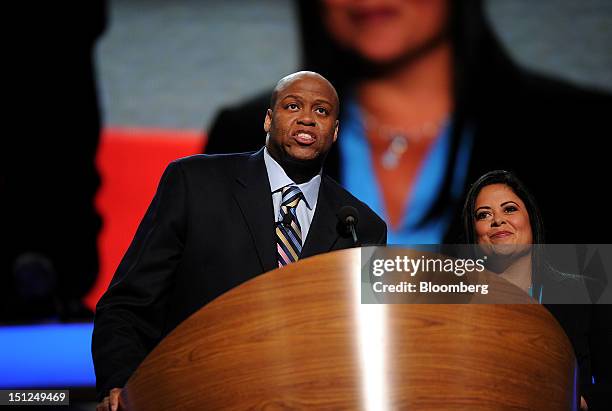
[299, 338]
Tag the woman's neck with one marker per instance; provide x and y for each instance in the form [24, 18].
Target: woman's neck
[417, 93]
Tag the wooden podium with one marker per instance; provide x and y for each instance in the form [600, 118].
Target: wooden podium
[299, 338]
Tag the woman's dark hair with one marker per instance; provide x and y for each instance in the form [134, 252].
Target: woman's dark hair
[481, 65]
[510, 180]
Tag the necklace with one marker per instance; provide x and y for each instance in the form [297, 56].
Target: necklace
[394, 151]
[398, 140]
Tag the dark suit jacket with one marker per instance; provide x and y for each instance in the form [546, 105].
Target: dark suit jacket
[209, 228]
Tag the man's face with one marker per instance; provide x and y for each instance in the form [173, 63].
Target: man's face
[303, 123]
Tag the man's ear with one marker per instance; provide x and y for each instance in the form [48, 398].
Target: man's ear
[268, 120]
[336, 128]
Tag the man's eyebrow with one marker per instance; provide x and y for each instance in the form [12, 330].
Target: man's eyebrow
[294, 96]
[323, 101]
[317, 101]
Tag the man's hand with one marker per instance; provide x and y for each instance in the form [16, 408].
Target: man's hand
[110, 403]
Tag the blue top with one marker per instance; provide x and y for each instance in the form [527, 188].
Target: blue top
[357, 176]
[541, 288]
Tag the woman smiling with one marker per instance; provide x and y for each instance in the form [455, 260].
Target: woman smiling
[501, 216]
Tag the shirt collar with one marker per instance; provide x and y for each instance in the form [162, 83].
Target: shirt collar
[279, 179]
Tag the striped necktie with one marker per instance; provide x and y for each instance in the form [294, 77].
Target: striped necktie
[288, 230]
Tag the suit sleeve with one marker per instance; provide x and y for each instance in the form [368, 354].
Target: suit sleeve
[130, 315]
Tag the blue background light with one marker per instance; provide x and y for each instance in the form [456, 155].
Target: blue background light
[49, 355]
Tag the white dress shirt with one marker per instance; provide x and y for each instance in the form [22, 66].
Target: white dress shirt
[279, 179]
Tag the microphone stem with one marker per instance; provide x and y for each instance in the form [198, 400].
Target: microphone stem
[352, 228]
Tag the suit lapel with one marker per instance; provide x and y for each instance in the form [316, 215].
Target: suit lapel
[253, 195]
[323, 234]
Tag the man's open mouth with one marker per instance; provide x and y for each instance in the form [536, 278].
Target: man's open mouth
[305, 137]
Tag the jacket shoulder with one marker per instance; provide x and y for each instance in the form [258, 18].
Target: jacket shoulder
[239, 128]
[560, 97]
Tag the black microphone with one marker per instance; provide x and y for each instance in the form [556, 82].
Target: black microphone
[349, 216]
[286, 220]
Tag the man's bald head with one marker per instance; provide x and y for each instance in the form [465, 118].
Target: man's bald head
[289, 79]
[302, 123]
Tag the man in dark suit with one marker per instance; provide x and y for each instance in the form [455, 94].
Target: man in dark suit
[218, 221]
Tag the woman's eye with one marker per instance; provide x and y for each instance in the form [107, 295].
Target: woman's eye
[510, 209]
[481, 215]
